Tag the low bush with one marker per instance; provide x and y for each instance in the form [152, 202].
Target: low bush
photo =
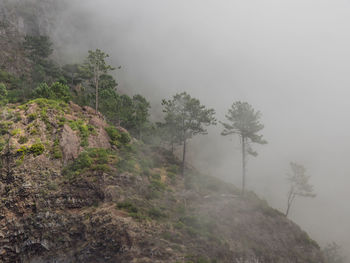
[117, 137]
[37, 149]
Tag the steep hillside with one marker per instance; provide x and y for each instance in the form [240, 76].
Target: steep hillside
[74, 189]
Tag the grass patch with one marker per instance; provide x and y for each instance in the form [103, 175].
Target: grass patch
[117, 138]
[132, 210]
[84, 131]
[56, 150]
[94, 159]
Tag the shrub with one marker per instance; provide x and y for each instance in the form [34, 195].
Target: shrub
[156, 213]
[82, 162]
[117, 137]
[94, 159]
[56, 150]
[37, 149]
[127, 206]
[23, 150]
[126, 165]
[84, 131]
[125, 138]
[57, 91]
[99, 154]
[15, 132]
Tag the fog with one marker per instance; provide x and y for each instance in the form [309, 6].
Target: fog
[289, 59]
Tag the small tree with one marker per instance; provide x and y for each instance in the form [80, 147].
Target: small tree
[141, 107]
[245, 122]
[187, 117]
[299, 184]
[333, 253]
[95, 65]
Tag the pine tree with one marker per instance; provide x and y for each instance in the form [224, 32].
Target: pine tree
[94, 67]
[187, 117]
[245, 122]
[299, 184]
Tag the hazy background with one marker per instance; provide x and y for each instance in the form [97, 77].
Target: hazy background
[288, 58]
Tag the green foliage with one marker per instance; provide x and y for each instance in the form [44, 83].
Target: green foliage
[94, 67]
[39, 47]
[244, 121]
[117, 137]
[84, 130]
[15, 132]
[155, 188]
[9, 80]
[72, 73]
[156, 213]
[133, 211]
[23, 150]
[127, 206]
[56, 150]
[184, 118]
[57, 91]
[5, 126]
[45, 104]
[118, 109]
[126, 165]
[141, 108]
[37, 149]
[82, 162]
[93, 159]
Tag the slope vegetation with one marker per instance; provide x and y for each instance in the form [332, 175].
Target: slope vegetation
[74, 189]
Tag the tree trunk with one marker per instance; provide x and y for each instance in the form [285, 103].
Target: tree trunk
[288, 207]
[291, 197]
[183, 158]
[96, 102]
[243, 163]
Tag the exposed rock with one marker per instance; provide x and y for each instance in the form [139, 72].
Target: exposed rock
[69, 143]
[98, 122]
[89, 110]
[101, 140]
[74, 107]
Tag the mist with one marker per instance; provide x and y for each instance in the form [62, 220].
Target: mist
[289, 59]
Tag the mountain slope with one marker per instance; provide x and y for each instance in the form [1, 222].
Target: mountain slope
[77, 190]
